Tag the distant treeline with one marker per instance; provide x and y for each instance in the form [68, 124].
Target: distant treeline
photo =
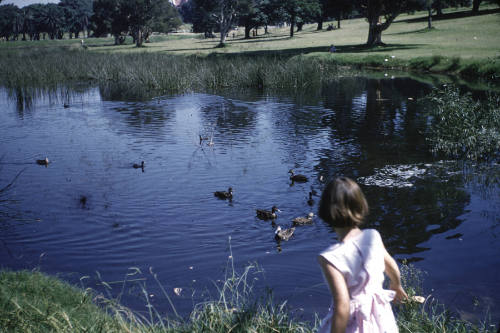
[140, 18]
[98, 18]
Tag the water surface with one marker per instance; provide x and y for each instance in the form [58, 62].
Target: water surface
[90, 211]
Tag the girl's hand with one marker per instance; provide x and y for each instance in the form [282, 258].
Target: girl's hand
[401, 295]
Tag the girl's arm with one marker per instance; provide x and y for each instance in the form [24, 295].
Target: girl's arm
[392, 270]
[341, 299]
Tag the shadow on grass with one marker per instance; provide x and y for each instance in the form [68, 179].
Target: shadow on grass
[451, 16]
[290, 52]
[418, 31]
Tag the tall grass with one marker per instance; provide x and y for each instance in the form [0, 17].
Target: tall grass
[34, 302]
[162, 73]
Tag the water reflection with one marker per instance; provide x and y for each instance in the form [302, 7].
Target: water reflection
[102, 214]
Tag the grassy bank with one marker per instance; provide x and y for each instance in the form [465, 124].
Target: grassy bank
[459, 44]
[34, 302]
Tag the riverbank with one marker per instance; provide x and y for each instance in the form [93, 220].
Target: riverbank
[462, 45]
[31, 301]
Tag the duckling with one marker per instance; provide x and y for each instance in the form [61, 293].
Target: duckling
[43, 162]
[268, 215]
[303, 220]
[224, 194]
[283, 234]
[297, 178]
[310, 201]
[138, 166]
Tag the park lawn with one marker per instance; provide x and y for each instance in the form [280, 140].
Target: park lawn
[458, 34]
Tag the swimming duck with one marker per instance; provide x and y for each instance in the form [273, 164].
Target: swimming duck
[310, 201]
[283, 234]
[138, 166]
[43, 162]
[224, 194]
[266, 214]
[297, 178]
[302, 220]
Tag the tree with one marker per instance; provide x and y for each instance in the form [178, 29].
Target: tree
[225, 14]
[203, 20]
[32, 21]
[374, 10]
[300, 12]
[309, 11]
[109, 17]
[165, 18]
[139, 14]
[77, 14]
[10, 21]
[51, 19]
[251, 15]
[476, 3]
[187, 11]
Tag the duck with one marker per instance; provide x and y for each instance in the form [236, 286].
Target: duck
[268, 215]
[283, 234]
[302, 220]
[138, 166]
[224, 194]
[43, 162]
[297, 178]
[310, 201]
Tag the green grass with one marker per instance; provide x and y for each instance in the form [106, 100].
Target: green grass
[34, 302]
[460, 44]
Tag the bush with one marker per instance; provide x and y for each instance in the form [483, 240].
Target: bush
[462, 127]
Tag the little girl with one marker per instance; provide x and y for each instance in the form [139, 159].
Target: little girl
[354, 268]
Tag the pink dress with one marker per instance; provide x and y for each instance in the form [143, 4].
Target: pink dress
[361, 261]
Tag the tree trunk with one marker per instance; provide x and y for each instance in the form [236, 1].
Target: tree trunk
[292, 25]
[338, 20]
[265, 30]
[247, 32]
[138, 39]
[439, 8]
[117, 39]
[299, 26]
[223, 33]
[475, 6]
[374, 34]
[77, 33]
[429, 17]
[320, 24]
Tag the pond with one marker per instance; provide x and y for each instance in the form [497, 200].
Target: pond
[89, 216]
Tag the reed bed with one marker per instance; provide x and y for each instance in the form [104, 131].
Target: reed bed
[162, 73]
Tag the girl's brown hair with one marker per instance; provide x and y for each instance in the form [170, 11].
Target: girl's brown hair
[343, 204]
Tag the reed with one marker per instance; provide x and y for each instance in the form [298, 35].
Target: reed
[463, 127]
[161, 73]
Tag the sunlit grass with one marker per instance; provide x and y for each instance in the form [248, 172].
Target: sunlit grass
[34, 302]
